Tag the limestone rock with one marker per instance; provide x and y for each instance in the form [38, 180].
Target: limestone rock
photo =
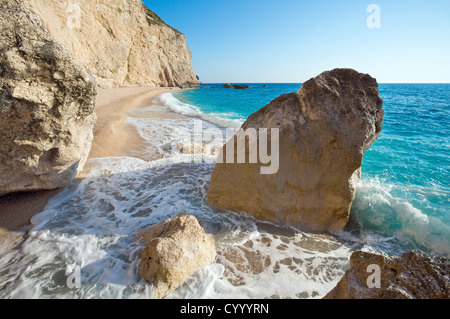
[121, 42]
[416, 275]
[174, 250]
[46, 105]
[324, 130]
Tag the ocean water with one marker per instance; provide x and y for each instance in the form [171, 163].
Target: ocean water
[89, 229]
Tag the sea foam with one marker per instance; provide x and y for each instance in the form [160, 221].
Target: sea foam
[226, 120]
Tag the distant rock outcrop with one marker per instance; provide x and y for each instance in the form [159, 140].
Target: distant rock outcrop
[122, 42]
[46, 105]
[174, 250]
[324, 130]
[236, 86]
[415, 275]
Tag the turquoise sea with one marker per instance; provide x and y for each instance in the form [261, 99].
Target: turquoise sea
[88, 230]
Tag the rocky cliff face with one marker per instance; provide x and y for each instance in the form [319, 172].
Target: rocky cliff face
[121, 42]
[324, 130]
[46, 105]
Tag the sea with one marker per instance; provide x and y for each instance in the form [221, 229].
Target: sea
[83, 244]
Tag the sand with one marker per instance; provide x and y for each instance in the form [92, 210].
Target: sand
[112, 137]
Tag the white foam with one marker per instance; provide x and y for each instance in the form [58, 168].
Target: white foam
[225, 120]
[92, 225]
[380, 207]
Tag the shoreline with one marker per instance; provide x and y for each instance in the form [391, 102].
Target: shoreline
[112, 137]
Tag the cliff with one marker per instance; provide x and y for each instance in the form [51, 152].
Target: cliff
[121, 42]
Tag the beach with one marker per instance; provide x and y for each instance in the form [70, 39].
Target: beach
[113, 137]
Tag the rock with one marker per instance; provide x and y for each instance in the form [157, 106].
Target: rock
[416, 275]
[324, 130]
[174, 250]
[241, 87]
[235, 86]
[46, 105]
[122, 42]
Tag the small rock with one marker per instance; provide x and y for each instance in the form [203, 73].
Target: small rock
[174, 250]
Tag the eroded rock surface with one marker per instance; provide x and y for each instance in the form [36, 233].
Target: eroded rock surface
[121, 42]
[46, 105]
[174, 250]
[324, 130]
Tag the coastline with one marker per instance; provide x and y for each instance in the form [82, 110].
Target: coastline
[112, 137]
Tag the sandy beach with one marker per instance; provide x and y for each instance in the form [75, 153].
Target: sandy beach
[112, 137]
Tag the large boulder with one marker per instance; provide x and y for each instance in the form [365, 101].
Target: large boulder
[416, 275]
[324, 130]
[174, 250]
[46, 105]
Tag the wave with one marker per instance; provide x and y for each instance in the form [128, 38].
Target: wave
[380, 207]
[226, 120]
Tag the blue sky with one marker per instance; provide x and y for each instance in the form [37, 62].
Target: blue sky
[294, 40]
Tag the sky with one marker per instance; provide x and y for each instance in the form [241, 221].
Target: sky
[291, 41]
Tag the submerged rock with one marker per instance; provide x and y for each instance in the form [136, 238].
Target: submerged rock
[324, 130]
[416, 275]
[46, 105]
[174, 250]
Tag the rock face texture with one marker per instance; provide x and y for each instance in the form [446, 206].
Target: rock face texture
[415, 275]
[46, 105]
[174, 250]
[121, 42]
[324, 130]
